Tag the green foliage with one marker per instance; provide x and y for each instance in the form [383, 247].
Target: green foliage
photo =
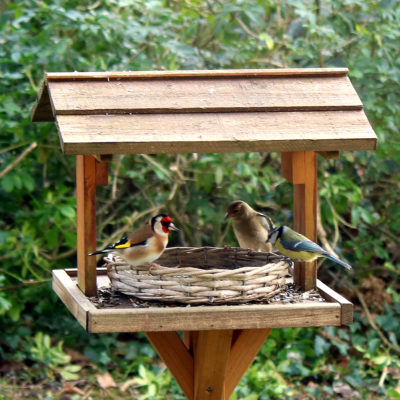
[50, 358]
[359, 193]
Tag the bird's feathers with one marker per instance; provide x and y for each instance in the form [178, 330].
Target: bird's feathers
[304, 245]
[251, 227]
[146, 244]
[121, 244]
[336, 260]
[299, 247]
[140, 236]
[266, 221]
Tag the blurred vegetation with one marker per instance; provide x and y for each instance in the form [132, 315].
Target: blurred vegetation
[43, 351]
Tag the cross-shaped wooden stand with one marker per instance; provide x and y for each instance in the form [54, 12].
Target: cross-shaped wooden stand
[297, 112]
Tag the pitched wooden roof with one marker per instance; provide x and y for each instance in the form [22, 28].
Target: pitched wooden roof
[205, 111]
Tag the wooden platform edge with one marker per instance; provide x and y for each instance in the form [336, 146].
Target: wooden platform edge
[345, 305]
[69, 293]
[338, 311]
[197, 73]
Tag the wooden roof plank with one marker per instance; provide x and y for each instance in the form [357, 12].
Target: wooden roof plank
[204, 95]
[52, 76]
[215, 132]
[42, 111]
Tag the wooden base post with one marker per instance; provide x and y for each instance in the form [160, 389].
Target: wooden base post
[89, 173]
[300, 168]
[208, 364]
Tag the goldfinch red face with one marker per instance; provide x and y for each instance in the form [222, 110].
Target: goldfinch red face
[162, 224]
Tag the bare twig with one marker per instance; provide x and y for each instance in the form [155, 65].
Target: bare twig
[57, 257]
[245, 27]
[157, 165]
[336, 215]
[373, 324]
[24, 284]
[321, 231]
[182, 225]
[115, 178]
[221, 239]
[13, 147]
[18, 159]
[385, 372]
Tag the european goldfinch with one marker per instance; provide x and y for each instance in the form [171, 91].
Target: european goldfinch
[298, 247]
[251, 227]
[145, 244]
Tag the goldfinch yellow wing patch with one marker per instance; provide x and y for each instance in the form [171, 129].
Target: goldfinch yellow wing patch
[122, 245]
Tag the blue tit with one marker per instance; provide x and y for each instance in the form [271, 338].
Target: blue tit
[296, 246]
[251, 227]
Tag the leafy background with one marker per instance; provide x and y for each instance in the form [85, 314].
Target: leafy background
[44, 353]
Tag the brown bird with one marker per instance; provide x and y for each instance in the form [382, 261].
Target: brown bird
[251, 227]
[144, 245]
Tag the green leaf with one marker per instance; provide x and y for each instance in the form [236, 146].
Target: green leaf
[382, 359]
[69, 373]
[265, 37]
[68, 211]
[393, 393]
[219, 175]
[7, 183]
[29, 183]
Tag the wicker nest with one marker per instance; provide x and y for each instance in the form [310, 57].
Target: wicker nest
[202, 275]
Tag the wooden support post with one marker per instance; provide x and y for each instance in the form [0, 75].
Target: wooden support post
[177, 358]
[211, 356]
[300, 168]
[245, 347]
[86, 221]
[101, 173]
[89, 173]
[208, 364]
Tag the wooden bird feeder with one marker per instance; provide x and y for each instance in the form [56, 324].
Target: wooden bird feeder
[297, 112]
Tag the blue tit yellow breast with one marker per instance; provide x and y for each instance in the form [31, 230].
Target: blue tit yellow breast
[296, 255]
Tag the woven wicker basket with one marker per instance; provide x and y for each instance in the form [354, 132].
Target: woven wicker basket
[202, 275]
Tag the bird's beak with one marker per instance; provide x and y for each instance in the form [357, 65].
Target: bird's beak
[172, 227]
[227, 215]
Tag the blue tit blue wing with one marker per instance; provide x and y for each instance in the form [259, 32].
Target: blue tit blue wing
[310, 246]
[303, 244]
[336, 260]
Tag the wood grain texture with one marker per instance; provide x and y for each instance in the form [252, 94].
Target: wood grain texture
[329, 155]
[76, 302]
[211, 356]
[176, 357]
[347, 307]
[214, 318]
[244, 349]
[213, 132]
[304, 178]
[86, 223]
[204, 95]
[42, 110]
[53, 76]
[101, 173]
[200, 317]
